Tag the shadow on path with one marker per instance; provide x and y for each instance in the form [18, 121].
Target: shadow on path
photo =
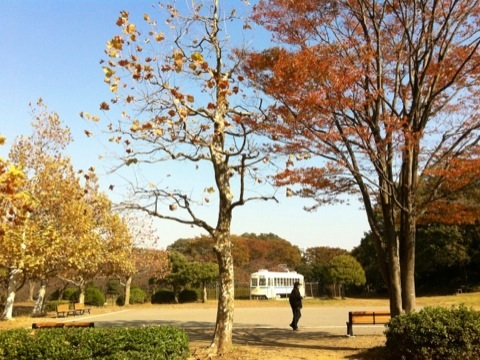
[361, 347]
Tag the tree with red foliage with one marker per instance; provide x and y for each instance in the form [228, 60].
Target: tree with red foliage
[378, 99]
[252, 252]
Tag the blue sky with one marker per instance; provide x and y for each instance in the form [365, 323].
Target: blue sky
[52, 49]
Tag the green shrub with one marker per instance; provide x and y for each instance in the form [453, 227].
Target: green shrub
[137, 296]
[146, 343]
[113, 287]
[163, 296]
[435, 333]
[94, 297]
[71, 294]
[120, 300]
[187, 295]
[242, 292]
[54, 295]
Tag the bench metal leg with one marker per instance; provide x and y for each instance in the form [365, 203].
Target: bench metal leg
[349, 329]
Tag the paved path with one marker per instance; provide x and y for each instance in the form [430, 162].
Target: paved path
[314, 319]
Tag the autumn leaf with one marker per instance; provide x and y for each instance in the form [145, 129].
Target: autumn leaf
[130, 29]
[178, 61]
[3, 139]
[114, 46]
[223, 84]
[88, 133]
[147, 126]
[182, 112]
[131, 161]
[123, 18]
[135, 126]
[197, 57]
[108, 72]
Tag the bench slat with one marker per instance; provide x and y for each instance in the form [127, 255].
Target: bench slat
[366, 317]
[80, 308]
[64, 310]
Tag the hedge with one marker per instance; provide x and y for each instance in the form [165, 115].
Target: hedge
[142, 343]
[435, 333]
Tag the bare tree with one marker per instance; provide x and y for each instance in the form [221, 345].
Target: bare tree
[187, 107]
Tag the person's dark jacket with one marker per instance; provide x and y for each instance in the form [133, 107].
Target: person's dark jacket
[295, 298]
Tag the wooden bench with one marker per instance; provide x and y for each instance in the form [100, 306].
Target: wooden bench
[80, 309]
[64, 310]
[51, 325]
[366, 317]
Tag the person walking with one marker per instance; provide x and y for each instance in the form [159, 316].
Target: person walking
[295, 300]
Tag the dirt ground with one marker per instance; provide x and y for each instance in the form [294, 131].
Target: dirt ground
[283, 344]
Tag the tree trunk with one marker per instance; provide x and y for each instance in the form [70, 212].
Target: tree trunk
[393, 254]
[81, 297]
[407, 248]
[377, 226]
[408, 271]
[31, 290]
[13, 286]
[128, 285]
[204, 286]
[39, 307]
[408, 222]
[175, 293]
[224, 325]
[395, 276]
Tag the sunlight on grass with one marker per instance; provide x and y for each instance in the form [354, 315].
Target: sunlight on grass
[468, 299]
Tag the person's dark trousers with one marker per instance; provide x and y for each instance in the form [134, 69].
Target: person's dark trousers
[297, 314]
